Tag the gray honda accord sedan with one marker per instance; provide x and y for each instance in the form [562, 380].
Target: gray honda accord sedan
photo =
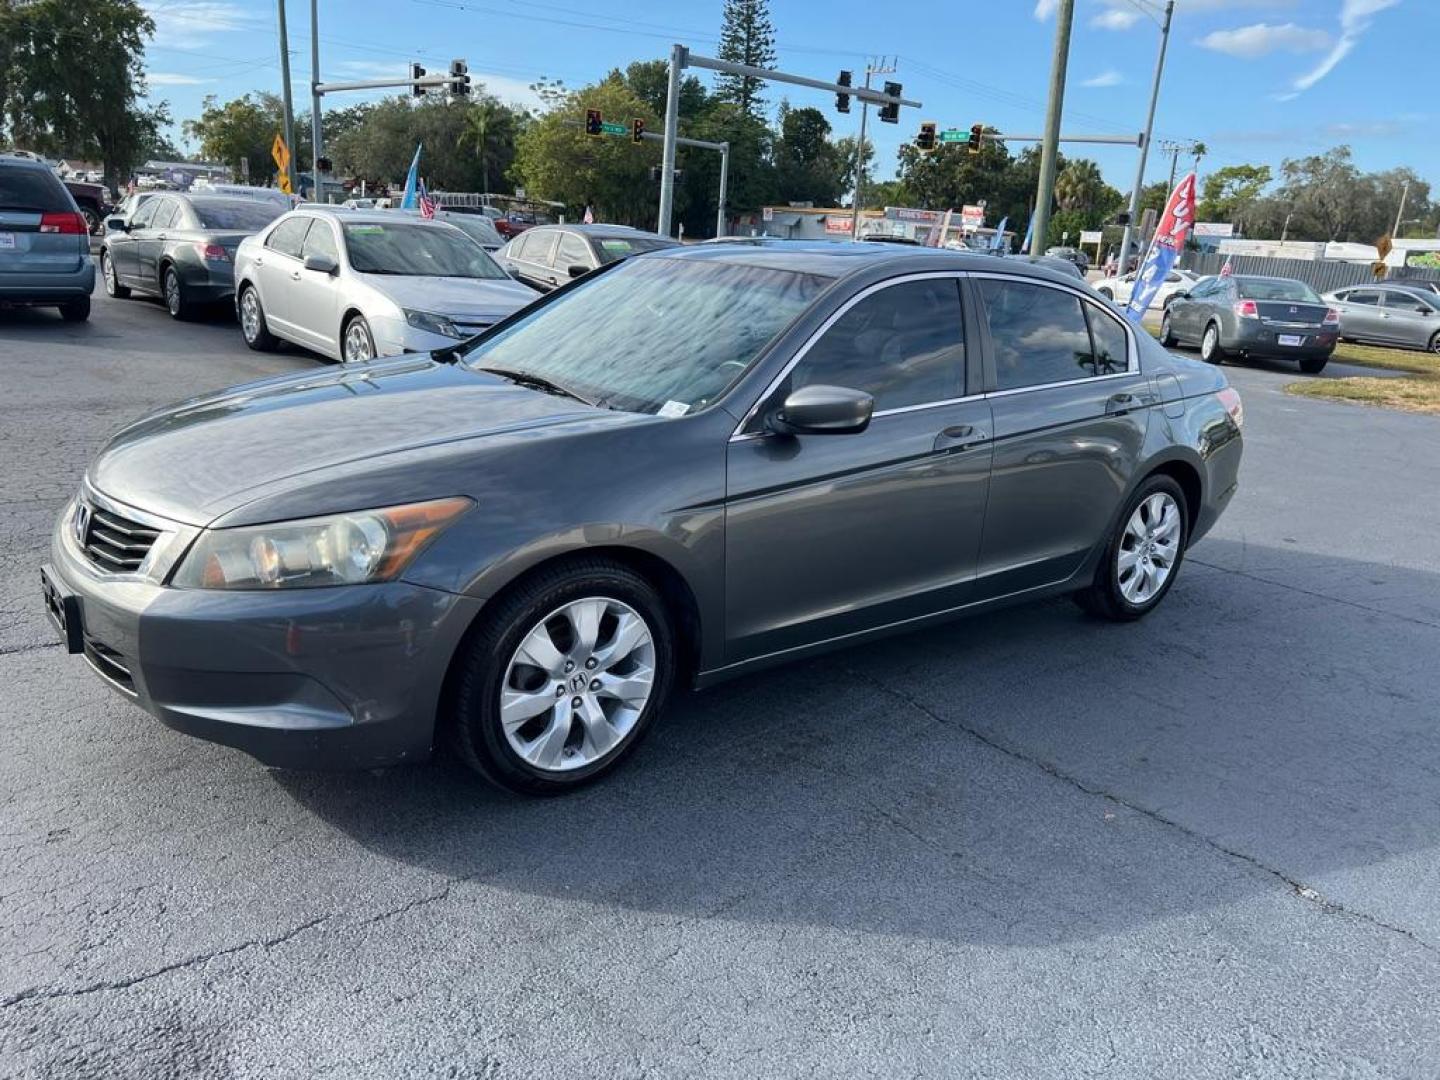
[679, 469]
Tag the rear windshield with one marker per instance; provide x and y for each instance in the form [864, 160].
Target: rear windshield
[615, 248]
[237, 214]
[31, 189]
[1278, 289]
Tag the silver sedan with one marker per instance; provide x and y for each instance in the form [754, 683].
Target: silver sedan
[353, 285]
[1389, 315]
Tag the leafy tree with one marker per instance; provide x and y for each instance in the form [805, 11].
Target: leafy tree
[809, 166]
[73, 80]
[1079, 186]
[1324, 190]
[649, 80]
[883, 193]
[1227, 193]
[753, 180]
[846, 148]
[489, 132]
[746, 37]
[244, 128]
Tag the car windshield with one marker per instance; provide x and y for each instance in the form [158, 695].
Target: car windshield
[478, 229]
[415, 250]
[656, 334]
[1276, 289]
[240, 214]
[615, 248]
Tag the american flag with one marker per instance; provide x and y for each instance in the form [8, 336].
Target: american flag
[589, 218]
[427, 204]
[1225, 270]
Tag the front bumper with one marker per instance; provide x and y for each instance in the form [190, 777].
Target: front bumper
[346, 677]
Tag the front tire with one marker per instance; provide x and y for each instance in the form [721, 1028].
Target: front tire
[1210, 350]
[562, 681]
[1167, 333]
[357, 344]
[253, 327]
[1435, 343]
[112, 279]
[1144, 554]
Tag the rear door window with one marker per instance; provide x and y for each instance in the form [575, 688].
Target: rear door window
[164, 214]
[1038, 334]
[34, 190]
[1368, 297]
[540, 248]
[573, 252]
[1111, 345]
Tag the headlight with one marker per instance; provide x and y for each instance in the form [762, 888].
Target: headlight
[344, 549]
[432, 323]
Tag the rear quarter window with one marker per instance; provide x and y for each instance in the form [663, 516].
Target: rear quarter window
[31, 189]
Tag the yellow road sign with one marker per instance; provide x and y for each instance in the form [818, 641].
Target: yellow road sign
[281, 153]
[285, 183]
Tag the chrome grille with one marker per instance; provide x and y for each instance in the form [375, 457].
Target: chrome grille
[112, 542]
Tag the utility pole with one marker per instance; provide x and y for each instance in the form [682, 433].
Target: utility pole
[289, 105]
[315, 189]
[1050, 148]
[720, 222]
[1404, 194]
[870, 69]
[1145, 146]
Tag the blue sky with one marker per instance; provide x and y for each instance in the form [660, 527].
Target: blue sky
[1257, 80]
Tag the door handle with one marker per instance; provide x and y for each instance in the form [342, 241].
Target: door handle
[259, 262]
[960, 437]
[1120, 404]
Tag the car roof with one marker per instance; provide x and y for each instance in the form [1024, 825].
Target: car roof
[372, 217]
[1265, 277]
[18, 161]
[599, 230]
[837, 259]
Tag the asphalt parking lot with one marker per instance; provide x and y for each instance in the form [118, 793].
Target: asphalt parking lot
[1029, 845]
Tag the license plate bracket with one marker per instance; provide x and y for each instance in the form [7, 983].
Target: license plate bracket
[7, 241]
[63, 607]
[1292, 340]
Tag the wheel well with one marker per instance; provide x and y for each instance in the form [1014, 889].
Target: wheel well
[1188, 477]
[350, 313]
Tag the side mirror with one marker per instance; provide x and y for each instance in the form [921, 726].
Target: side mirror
[822, 410]
[116, 224]
[323, 264]
[1181, 294]
[576, 270]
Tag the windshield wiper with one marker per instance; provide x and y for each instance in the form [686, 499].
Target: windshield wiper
[536, 382]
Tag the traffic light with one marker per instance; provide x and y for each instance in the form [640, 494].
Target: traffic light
[417, 72]
[637, 130]
[977, 136]
[925, 141]
[890, 113]
[842, 101]
[593, 122]
[459, 78]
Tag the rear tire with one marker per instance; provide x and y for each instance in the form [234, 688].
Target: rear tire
[173, 291]
[112, 279]
[1435, 343]
[549, 749]
[252, 321]
[1210, 350]
[1313, 365]
[1153, 545]
[76, 310]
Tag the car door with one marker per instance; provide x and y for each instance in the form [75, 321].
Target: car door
[1183, 312]
[830, 535]
[572, 252]
[540, 250]
[314, 296]
[122, 245]
[275, 274]
[1070, 408]
[1360, 316]
[149, 242]
[1408, 319]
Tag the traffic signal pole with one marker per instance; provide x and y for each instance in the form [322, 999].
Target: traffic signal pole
[681, 58]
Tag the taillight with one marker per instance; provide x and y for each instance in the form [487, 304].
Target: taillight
[65, 222]
[1246, 309]
[1230, 398]
[1332, 317]
[212, 252]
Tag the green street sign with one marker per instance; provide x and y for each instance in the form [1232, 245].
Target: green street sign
[608, 128]
[954, 135]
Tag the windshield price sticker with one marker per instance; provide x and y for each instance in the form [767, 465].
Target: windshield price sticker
[673, 408]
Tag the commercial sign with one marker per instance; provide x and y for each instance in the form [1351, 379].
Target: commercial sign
[972, 217]
[837, 223]
[905, 213]
[1214, 228]
[1091, 236]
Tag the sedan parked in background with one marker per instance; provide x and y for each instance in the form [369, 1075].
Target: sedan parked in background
[683, 468]
[1253, 316]
[180, 248]
[356, 284]
[44, 241]
[476, 226]
[1120, 288]
[1389, 315]
[1070, 254]
[548, 256]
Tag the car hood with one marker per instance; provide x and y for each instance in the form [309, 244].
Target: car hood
[203, 458]
[454, 296]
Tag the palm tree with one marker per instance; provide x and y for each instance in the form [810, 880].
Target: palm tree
[478, 123]
[1079, 185]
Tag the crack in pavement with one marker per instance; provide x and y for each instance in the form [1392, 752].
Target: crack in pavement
[1298, 888]
[1310, 592]
[36, 646]
[42, 994]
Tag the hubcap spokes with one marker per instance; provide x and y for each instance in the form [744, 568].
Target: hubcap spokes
[577, 684]
[1148, 548]
[249, 316]
[357, 345]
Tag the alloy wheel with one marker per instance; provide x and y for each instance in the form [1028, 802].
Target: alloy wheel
[172, 292]
[249, 315]
[357, 343]
[577, 684]
[1148, 548]
[107, 267]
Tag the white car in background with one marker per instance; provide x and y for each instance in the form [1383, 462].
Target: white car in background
[1119, 288]
[356, 284]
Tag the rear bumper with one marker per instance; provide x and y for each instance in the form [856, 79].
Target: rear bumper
[208, 283]
[32, 288]
[1258, 339]
[334, 678]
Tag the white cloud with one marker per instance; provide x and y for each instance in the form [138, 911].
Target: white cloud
[170, 78]
[1105, 78]
[1045, 8]
[1115, 18]
[1355, 16]
[193, 23]
[1262, 39]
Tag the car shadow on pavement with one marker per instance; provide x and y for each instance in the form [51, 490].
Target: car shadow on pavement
[1026, 777]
